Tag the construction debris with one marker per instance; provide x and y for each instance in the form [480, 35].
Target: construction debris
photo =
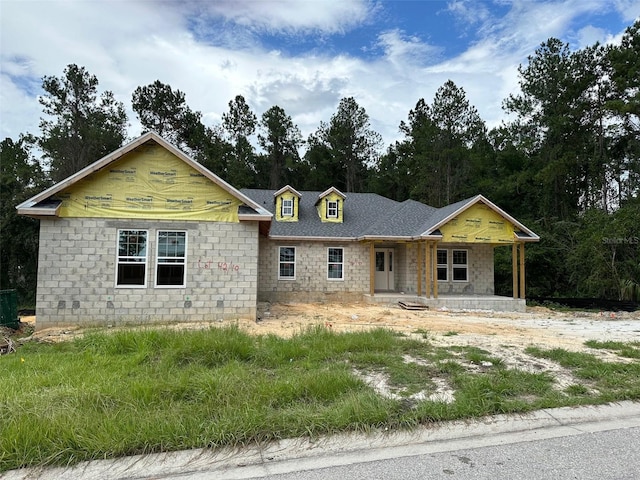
[412, 306]
[6, 346]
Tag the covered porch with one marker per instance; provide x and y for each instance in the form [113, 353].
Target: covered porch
[421, 274]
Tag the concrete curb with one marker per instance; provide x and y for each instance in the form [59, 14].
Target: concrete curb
[297, 454]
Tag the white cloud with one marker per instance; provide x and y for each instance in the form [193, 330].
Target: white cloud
[630, 9]
[400, 49]
[131, 44]
[469, 12]
[328, 16]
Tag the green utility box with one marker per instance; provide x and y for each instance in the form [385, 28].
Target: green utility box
[9, 309]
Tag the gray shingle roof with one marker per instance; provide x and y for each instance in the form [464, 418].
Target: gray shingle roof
[360, 211]
[368, 215]
[365, 214]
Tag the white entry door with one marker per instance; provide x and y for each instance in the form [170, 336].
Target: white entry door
[384, 269]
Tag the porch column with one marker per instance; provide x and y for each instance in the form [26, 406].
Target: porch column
[434, 267]
[372, 269]
[427, 269]
[514, 265]
[419, 289]
[522, 270]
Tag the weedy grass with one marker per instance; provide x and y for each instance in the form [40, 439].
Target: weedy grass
[628, 350]
[111, 394]
[615, 381]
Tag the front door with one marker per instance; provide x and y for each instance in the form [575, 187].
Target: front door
[384, 269]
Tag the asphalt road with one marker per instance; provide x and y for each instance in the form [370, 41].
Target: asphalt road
[565, 443]
[605, 455]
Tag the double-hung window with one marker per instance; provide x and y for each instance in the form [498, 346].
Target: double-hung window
[171, 259]
[335, 264]
[460, 266]
[443, 265]
[332, 209]
[132, 258]
[287, 207]
[286, 263]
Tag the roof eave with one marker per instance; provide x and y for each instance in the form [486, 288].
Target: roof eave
[259, 217]
[430, 236]
[386, 238]
[37, 212]
[299, 238]
[528, 239]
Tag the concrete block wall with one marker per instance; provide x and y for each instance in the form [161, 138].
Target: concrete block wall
[406, 268]
[77, 269]
[311, 283]
[480, 271]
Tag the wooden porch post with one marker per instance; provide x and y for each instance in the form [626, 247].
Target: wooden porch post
[434, 259]
[427, 269]
[419, 289]
[514, 264]
[522, 270]
[372, 269]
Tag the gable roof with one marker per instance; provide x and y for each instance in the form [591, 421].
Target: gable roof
[329, 191]
[369, 216]
[445, 214]
[43, 205]
[287, 188]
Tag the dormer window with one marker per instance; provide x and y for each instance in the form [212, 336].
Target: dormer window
[332, 209]
[287, 207]
[287, 204]
[330, 205]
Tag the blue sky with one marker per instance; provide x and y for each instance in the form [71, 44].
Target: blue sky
[301, 55]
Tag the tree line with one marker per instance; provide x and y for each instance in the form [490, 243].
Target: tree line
[566, 161]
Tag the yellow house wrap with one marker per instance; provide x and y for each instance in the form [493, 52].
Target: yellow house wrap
[150, 182]
[295, 204]
[323, 208]
[478, 224]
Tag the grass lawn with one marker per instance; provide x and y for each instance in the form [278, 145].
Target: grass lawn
[111, 394]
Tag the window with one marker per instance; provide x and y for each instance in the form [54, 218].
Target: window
[132, 258]
[460, 266]
[335, 263]
[287, 207]
[287, 263]
[171, 259]
[443, 265]
[332, 209]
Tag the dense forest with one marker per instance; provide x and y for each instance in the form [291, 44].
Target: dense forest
[566, 162]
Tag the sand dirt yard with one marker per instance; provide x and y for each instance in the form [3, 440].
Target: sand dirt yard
[493, 331]
[503, 335]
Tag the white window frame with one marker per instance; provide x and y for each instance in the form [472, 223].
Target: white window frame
[281, 262]
[460, 266]
[177, 260]
[330, 263]
[332, 205]
[287, 207]
[132, 259]
[444, 266]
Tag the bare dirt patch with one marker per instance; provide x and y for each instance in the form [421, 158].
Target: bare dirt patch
[538, 326]
[504, 332]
